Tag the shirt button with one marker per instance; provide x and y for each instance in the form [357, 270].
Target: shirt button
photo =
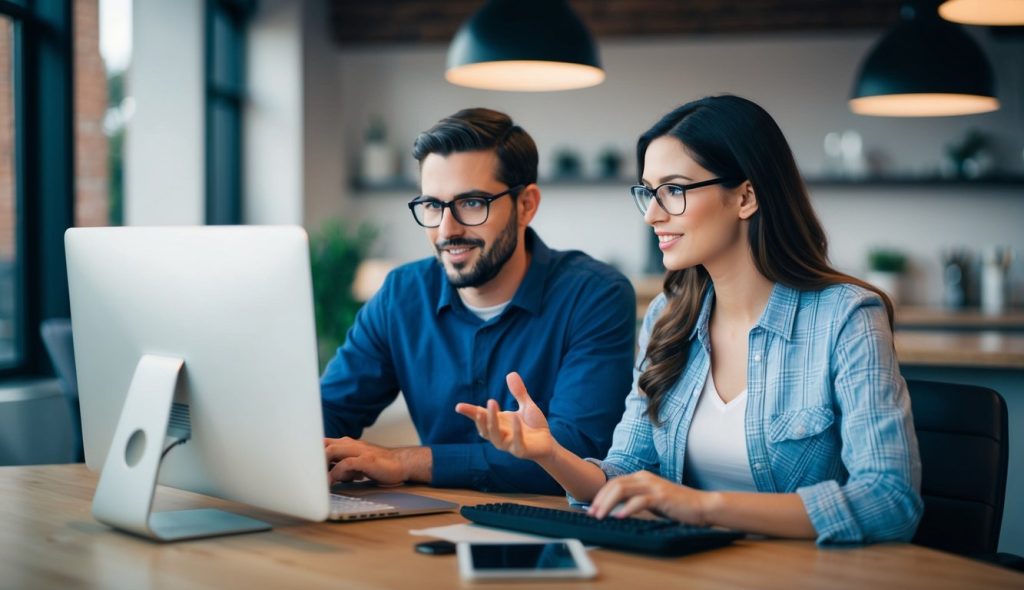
[478, 382]
[800, 430]
[757, 357]
[758, 466]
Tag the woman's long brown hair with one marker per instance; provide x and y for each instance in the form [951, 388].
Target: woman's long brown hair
[732, 137]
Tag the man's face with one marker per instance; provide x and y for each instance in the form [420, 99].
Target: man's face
[471, 255]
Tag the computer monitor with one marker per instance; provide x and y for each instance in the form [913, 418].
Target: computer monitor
[197, 367]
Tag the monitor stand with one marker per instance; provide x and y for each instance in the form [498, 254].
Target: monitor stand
[124, 495]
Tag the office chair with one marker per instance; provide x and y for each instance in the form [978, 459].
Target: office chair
[962, 432]
[56, 333]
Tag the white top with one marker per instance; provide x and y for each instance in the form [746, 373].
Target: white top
[486, 313]
[716, 447]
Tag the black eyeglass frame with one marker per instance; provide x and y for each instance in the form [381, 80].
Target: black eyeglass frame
[487, 199]
[633, 190]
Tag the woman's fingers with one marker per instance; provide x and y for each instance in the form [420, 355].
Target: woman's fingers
[622, 489]
[477, 414]
[516, 437]
[633, 505]
[518, 389]
[469, 410]
[607, 497]
[492, 418]
[503, 429]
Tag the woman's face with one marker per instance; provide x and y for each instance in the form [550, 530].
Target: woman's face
[710, 227]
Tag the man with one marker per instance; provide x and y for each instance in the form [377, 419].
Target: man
[495, 299]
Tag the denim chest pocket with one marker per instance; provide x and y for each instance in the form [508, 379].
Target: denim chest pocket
[800, 424]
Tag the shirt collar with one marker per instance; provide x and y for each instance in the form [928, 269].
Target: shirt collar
[700, 329]
[778, 315]
[530, 294]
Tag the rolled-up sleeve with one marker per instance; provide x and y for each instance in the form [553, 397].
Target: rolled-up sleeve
[880, 500]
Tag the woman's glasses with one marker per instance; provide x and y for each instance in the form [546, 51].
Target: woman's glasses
[670, 196]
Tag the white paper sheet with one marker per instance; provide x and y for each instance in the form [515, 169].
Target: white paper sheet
[475, 533]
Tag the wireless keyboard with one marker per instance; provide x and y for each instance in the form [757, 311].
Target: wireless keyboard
[659, 537]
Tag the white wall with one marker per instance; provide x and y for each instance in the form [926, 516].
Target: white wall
[294, 165]
[273, 137]
[324, 170]
[803, 80]
[164, 158]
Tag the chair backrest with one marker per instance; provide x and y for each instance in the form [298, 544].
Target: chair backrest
[57, 338]
[963, 435]
[56, 333]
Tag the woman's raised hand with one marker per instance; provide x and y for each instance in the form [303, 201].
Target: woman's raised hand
[524, 433]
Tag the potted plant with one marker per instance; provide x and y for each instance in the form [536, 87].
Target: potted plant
[969, 157]
[335, 254]
[609, 162]
[885, 271]
[378, 163]
[567, 164]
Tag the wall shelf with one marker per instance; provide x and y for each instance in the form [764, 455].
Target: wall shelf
[989, 182]
[1004, 181]
[405, 184]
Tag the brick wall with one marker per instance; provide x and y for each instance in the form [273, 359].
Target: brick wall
[90, 102]
[91, 174]
[357, 22]
[6, 146]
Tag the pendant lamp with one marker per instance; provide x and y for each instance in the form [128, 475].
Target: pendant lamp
[524, 45]
[924, 67]
[984, 12]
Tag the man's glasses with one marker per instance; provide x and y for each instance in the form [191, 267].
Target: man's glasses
[671, 197]
[469, 210]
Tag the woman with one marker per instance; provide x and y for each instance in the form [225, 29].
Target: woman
[767, 395]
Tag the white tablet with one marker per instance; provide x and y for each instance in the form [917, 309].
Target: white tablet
[563, 558]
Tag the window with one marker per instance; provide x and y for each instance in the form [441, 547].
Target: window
[225, 96]
[10, 300]
[35, 159]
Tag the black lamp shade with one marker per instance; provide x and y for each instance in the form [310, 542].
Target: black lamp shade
[924, 66]
[527, 45]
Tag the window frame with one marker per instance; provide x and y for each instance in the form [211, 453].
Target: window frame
[225, 207]
[43, 94]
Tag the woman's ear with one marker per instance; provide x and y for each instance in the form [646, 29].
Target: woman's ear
[748, 200]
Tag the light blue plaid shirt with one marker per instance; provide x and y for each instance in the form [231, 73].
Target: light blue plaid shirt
[828, 413]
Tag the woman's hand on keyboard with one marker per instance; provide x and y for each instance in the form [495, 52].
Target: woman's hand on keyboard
[524, 433]
[646, 491]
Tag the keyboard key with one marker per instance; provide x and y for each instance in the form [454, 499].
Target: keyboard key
[350, 505]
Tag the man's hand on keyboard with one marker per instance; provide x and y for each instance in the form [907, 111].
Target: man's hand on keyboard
[354, 459]
[523, 433]
[643, 490]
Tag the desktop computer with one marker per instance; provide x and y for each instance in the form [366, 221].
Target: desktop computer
[196, 356]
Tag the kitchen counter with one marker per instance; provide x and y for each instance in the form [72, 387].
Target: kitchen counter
[941, 348]
[930, 336]
[912, 316]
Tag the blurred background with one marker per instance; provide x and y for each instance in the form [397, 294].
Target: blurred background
[167, 112]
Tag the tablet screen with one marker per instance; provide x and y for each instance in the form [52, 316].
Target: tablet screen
[531, 556]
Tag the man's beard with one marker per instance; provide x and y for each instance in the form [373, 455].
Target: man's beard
[490, 261]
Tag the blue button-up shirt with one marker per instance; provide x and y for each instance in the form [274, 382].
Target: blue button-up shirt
[828, 413]
[569, 331]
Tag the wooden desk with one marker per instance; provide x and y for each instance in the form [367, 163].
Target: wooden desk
[49, 540]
